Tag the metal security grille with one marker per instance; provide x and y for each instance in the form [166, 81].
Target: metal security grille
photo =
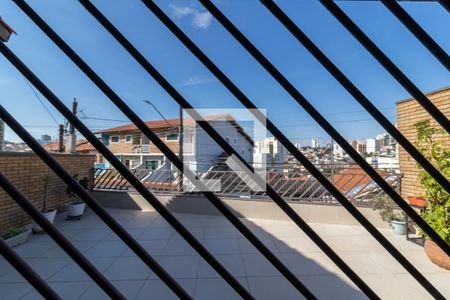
[273, 190]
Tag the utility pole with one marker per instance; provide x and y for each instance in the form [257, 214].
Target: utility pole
[71, 141]
[61, 138]
[180, 147]
[332, 161]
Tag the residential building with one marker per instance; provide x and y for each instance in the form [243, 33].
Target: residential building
[409, 111]
[314, 143]
[200, 151]
[338, 152]
[45, 139]
[271, 153]
[15, 147]
[384, 162]
[372, 145]
[360, 146]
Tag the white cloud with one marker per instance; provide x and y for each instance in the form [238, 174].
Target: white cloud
[181, 11]
[200, 19]
[196, 80]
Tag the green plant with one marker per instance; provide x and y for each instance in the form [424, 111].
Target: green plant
[388, 209]
[437, 213]
[46, 181]
[84, 182]
[11, 233]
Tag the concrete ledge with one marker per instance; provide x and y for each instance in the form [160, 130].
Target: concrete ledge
[247, 208]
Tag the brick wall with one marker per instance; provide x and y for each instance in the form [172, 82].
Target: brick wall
[25, 170]
[409, 112]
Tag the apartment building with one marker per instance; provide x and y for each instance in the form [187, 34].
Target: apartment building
[270, 153]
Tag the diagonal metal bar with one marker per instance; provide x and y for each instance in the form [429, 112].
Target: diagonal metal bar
[27, 272]
[376, 52]
[78, 189]
[418, 32]
[445, 4]
[136, 247]
[278, 200]
[334, 134]
[223, 208]
[356, 93]
[59, 238]
[297, 154]
[300, 187]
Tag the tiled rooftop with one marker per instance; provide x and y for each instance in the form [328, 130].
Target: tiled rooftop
[136, 281]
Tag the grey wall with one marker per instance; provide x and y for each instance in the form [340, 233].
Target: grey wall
[247, 208]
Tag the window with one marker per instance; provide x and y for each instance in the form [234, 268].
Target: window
[227, 139]
[234, 141]
[151, 165]
[128, 139]
[115, 139]
[243, 152]
[171, 136]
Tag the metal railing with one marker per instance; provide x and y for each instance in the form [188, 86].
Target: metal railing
[359, 188]
[142, 148]
[278, 187]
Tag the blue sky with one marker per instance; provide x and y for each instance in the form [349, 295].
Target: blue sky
[194, 81]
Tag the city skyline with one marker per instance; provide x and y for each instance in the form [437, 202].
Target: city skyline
[199, 86]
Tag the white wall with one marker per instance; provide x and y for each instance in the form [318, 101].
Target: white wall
[207, 150]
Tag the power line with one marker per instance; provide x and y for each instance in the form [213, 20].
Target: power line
[103, 119]
[40, 100]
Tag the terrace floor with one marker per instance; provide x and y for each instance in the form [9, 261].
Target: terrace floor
[136, 281]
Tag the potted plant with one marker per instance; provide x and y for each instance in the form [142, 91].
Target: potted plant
[389, 214]
[16, 236]
[437, 211]
[49, 214]
[75, 209]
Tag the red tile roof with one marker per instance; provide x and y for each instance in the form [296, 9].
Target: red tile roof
[82, 146]
[161, 124]
[174, 123]
[352, 177]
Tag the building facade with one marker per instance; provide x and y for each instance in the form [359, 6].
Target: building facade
[409, 111]
[200, 151]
